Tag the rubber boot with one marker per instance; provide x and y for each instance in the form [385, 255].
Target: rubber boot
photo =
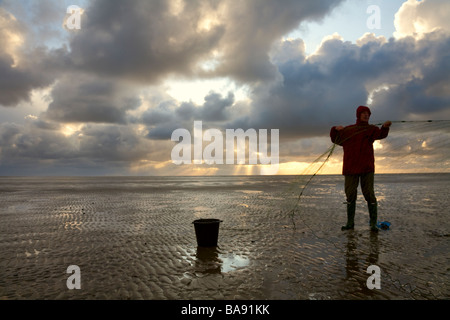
[351, 207]
[373, 215]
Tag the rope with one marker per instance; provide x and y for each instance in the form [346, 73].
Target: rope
[327, 154]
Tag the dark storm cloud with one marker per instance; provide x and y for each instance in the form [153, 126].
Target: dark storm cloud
[411, 97]
[308, 96]
[30, 143]
[325, 89]
[215, 108]
[147, 40]
[43, 124]
[169, 115]
[16, 84]
[112, 143]
[141, 40]
[252, 28]
[426, 92]
[20, 71]
[80, 98]
[91, 146]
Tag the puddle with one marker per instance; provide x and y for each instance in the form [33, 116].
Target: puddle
[211, 260]
[232, 262]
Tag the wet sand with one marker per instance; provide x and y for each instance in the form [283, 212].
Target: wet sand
[133, 238]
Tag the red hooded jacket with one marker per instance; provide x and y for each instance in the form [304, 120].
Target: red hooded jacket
[357, 141]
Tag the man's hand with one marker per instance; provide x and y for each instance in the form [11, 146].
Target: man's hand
[387, 124]
[339, 128]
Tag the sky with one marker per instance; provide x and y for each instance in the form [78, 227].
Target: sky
[106, 98]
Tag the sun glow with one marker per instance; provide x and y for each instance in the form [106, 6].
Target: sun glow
[69, 130]
[196, 91]
[377, 145]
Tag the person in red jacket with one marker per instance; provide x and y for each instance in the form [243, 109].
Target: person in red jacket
[359, 162]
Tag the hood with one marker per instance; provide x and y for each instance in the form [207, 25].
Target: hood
[360, 110]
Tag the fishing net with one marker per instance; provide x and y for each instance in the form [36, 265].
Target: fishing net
[411, 147]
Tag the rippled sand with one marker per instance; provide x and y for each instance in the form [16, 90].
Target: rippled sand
[133, 238]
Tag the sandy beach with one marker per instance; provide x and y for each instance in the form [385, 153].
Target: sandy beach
[133, 238]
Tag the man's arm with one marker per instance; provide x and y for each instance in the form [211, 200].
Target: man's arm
[334, 134]
[383, 132]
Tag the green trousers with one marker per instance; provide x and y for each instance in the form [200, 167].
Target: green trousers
[351, 192]
[351, 187]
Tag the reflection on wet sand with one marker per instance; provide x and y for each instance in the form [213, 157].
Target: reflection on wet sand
[210, 260]
[133, 239]
[356, 266]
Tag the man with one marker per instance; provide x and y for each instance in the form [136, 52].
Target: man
[359, 162]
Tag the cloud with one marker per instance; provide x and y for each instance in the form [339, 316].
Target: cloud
[107, 112]
[142, 40]
[163, 119]
[248, 39]
[89, 149]
[29, 143]
[20, 71]
[416, 18]
[107, 143]
[80, 98]
[404, 79]
[148, 40]
[41, 20]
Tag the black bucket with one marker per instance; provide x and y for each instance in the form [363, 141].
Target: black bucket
[207, 232]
